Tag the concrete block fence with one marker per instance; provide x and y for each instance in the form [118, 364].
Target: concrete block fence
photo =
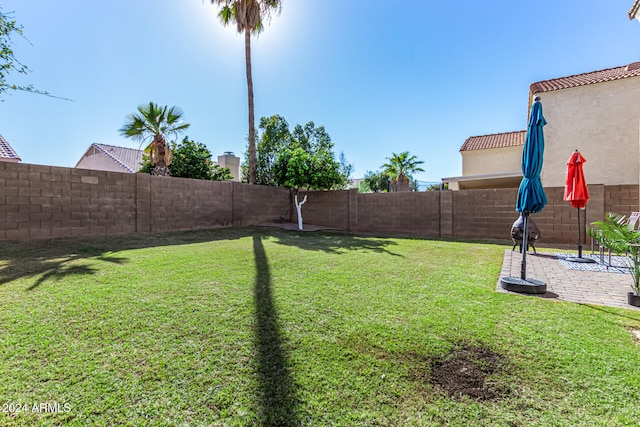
[40, 202]
[45, 201]
[465, 214]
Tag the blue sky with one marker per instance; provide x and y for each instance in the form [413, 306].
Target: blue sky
[380, 76]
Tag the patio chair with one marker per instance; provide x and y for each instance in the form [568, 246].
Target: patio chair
[633, 222]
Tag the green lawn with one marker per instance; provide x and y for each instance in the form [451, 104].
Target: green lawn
[258, 326]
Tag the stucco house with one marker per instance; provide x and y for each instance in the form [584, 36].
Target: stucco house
[597, 113]
[111, 158]
[7, 153]
[128, 160]
[490, 161]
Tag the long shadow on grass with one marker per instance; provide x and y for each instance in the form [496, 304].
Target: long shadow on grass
[278, 406]
[58, 258]
[50, 267]
[629, 313]
[335, 243]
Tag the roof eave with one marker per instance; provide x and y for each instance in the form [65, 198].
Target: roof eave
[84, 155]
[484, 176]
[634, 10]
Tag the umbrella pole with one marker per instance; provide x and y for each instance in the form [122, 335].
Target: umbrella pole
[525, 244]
[579, 237]
[579, 258]
[522, 284]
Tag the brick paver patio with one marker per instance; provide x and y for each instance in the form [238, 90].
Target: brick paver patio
[585, 287]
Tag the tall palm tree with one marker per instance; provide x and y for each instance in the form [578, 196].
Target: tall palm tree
[155, 123]
[249, 16]
[400, 167]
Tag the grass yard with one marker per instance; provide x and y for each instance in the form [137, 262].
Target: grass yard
[257, 326]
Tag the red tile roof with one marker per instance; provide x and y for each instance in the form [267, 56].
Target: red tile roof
[128, 158]
[497, 140]
[634, 9]
[6, 151]
[610, 74]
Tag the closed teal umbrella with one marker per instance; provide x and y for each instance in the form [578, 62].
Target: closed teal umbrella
[531, 196]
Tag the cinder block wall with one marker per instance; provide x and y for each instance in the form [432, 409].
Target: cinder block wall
[44, 201]
[254, 204]
[189, 204]
[406, 213]
[325, 208]
[466, 214]
[621, 198]
[481, 214]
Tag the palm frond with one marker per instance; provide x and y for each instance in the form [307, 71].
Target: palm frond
[247, 14]
[154, 122]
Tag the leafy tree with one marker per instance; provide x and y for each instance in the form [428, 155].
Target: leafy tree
[401, 167]
[363, 187]
[276, 137]
[298, 168]
[192, 160]
[301, 158]
[346, 170]
[438, 187]
[249, 17]
[8, 62]
[377, 182]
[155, 123]
[146, 166]
[218, 173]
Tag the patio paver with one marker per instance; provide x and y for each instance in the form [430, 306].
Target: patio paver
[584, 287]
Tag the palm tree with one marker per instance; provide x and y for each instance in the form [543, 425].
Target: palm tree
[400, 167]
[248, 15]
[155, 123]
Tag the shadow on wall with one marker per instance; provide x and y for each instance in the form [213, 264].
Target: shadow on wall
[278, 404]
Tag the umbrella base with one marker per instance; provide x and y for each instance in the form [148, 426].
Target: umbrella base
[523, 286]
[579, 259]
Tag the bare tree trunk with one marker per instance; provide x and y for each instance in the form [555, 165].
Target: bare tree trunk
[252, 130]
[299, 209]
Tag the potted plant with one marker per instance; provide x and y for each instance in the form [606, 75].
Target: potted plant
[615, 233]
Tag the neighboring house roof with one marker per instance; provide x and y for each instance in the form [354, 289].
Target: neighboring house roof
[128, 158]
[634, 9]
[610, 74]
[498, 140]
[6, 151]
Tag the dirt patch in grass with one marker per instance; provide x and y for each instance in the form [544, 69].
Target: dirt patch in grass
[467, 371]
[635, 334]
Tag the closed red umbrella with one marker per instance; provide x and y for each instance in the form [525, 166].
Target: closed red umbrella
[575, 190]
[577, 193]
